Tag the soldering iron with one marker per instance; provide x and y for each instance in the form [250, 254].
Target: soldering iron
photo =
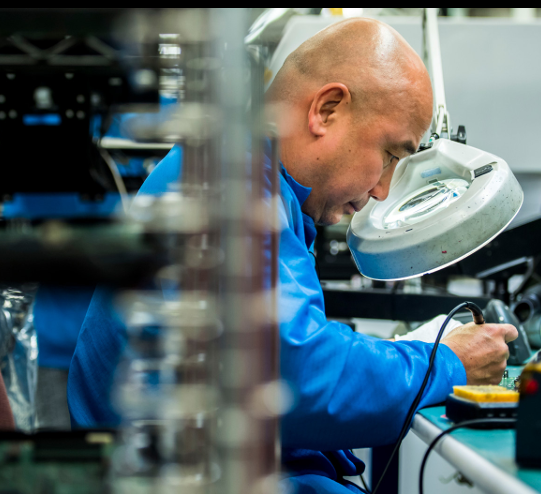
[478, 318]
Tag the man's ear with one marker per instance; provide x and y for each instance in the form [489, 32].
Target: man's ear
[328, 103]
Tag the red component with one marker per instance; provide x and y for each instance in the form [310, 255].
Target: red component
[532, 387]
[444, 252]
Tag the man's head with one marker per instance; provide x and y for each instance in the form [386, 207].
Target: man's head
[352, 100]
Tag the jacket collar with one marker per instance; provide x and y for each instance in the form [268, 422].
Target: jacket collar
[300, 191]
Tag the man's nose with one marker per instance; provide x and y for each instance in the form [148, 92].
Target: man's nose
[381, 191]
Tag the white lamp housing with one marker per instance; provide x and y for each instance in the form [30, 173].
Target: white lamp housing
[445, 203]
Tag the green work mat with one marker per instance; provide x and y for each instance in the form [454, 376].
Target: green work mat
[495, 445]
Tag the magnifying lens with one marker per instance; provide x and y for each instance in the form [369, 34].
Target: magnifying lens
[445, 203]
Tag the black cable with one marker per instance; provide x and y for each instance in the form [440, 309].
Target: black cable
[364, 483]
[361, 476]
[466, 423]
[317, 266]
[478, 318]
[532, 266]
[396, 286]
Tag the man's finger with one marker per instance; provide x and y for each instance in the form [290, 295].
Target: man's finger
[510, 333]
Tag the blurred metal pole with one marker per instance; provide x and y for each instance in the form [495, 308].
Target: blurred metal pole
[212, 421]
[247, 435]
[176, 396]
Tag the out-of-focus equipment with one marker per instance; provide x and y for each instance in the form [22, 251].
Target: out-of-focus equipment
[519, 350]
[270, 24]
[479, 402]
[77, 461]
[528, 312]
[19, 352]
[54, 83]
[529, 424]
[199, 395]
[64, 74]
[446, 201]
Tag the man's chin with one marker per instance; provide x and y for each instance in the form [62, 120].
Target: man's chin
[327, 217]
[329, 220]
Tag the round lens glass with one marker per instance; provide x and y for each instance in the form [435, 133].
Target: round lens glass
[425, 202]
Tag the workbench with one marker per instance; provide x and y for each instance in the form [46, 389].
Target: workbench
[484, 458]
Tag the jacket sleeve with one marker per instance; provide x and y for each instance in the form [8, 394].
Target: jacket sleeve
[351, 390]
[102, 337]
[99, 348]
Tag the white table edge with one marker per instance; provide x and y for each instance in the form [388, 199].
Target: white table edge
[483, 473]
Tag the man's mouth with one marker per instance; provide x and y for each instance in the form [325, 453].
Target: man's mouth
[356, 208]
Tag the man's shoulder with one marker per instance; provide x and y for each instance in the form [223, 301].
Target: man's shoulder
[289, 208]
[167, 172]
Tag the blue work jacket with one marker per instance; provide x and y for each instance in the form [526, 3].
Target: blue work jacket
[59, 311]
[58, 314]
[103, 336]
[351, 390]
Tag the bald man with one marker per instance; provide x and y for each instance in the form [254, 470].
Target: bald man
[349, 104]
[355, 99]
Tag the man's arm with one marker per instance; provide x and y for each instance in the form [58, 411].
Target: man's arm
[353, 390]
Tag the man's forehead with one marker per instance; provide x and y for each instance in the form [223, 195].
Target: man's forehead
[403, 137]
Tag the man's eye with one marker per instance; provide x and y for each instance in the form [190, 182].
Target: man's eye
[392, 157]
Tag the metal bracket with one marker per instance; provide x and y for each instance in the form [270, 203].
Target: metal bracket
[432, 58]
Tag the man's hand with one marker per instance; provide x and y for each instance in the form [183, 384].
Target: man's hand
[482, 350]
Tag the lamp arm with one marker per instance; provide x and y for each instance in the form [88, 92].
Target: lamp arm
[432, 58]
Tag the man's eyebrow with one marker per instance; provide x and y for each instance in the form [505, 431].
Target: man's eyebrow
[407, 147]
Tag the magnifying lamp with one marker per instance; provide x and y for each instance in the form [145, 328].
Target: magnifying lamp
[445, 202]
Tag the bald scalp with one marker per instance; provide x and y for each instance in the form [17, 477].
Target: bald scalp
[369, 57]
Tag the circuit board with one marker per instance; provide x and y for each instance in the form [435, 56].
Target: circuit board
[55, 462]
